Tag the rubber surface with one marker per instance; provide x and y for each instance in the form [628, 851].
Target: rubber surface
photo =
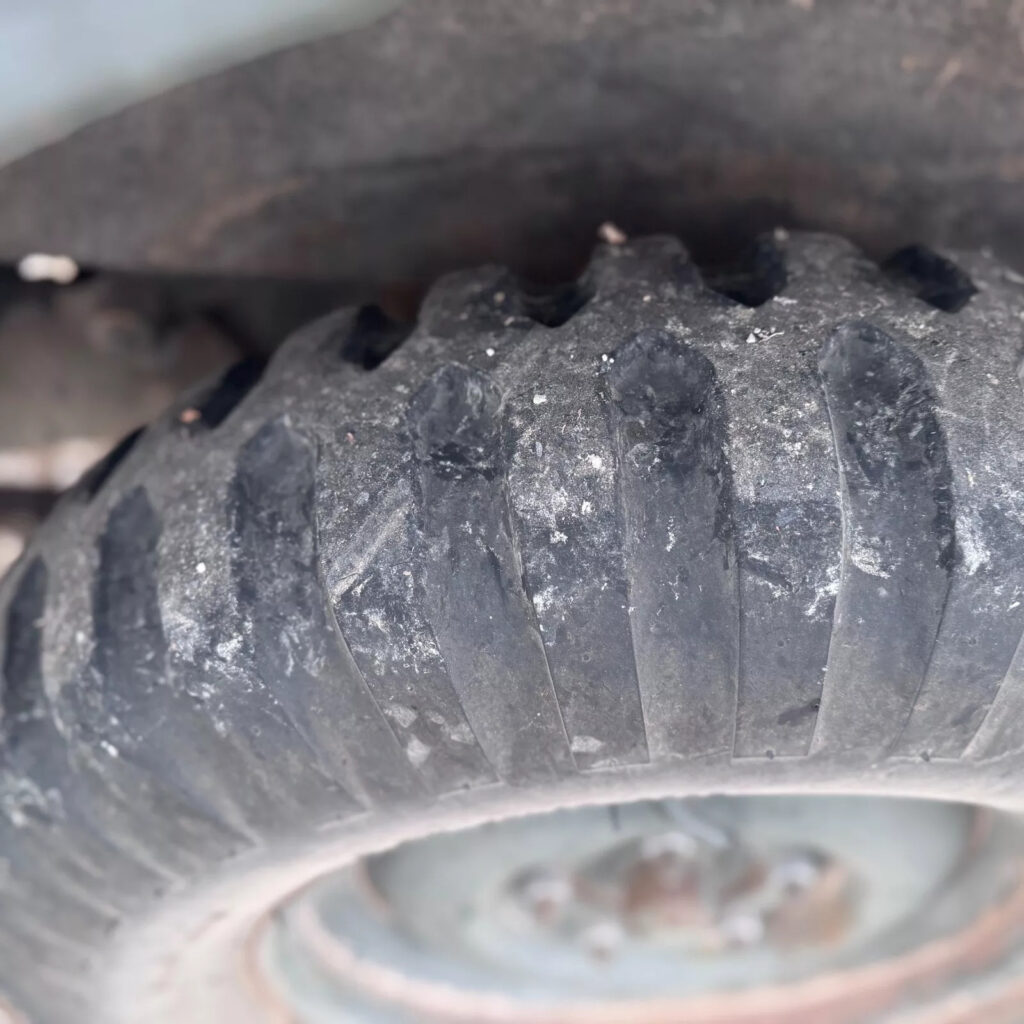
[631, 522]
[505, 130]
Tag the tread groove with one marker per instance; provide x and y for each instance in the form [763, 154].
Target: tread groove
[477, 608]
[676, 491]
[756, 278]
[514, 535]
[1002, 729]
[899, 742]
[899, 538]
[933, 278]
[373, 337]
[42, 845]
[117, 697]
[377, 605]
[785, 474]
[302, 659]
[230, 391]
[569, 537]
[93, 479]
[21, 685]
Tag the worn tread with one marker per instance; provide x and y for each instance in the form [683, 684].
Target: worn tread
[676, 495]
[898, 537]
[769, 528]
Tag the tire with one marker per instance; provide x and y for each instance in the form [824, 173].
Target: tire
[638, 536]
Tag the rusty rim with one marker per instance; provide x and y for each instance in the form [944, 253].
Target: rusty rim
[735, 910]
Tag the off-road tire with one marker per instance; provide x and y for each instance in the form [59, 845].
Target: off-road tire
[639, 535]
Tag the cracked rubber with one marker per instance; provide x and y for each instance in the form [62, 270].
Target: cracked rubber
[768, 530]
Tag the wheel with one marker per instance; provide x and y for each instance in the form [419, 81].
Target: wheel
[483, 673]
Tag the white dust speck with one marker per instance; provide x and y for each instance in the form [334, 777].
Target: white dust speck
[557, 537]
[228, 649]
[417, 751]
[539, 399]
[200, 568]
[823, 593]
[109, 749]
[868, 558]
[586, 508]
[490, 352]
[972, 547]
[595, 461]
[401, 714]
[761, 334]
[461, 733]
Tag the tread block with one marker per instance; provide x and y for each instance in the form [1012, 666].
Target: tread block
[899, 537]
[54, 840]
[134, 729]
[379, 608]
[473, 302]
[291, 635]
[676, 494]
[21, 695]
[654, 264]
[475, 598]
[564, 491]
[788, 580]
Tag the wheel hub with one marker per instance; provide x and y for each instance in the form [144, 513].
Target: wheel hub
[738, 910]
